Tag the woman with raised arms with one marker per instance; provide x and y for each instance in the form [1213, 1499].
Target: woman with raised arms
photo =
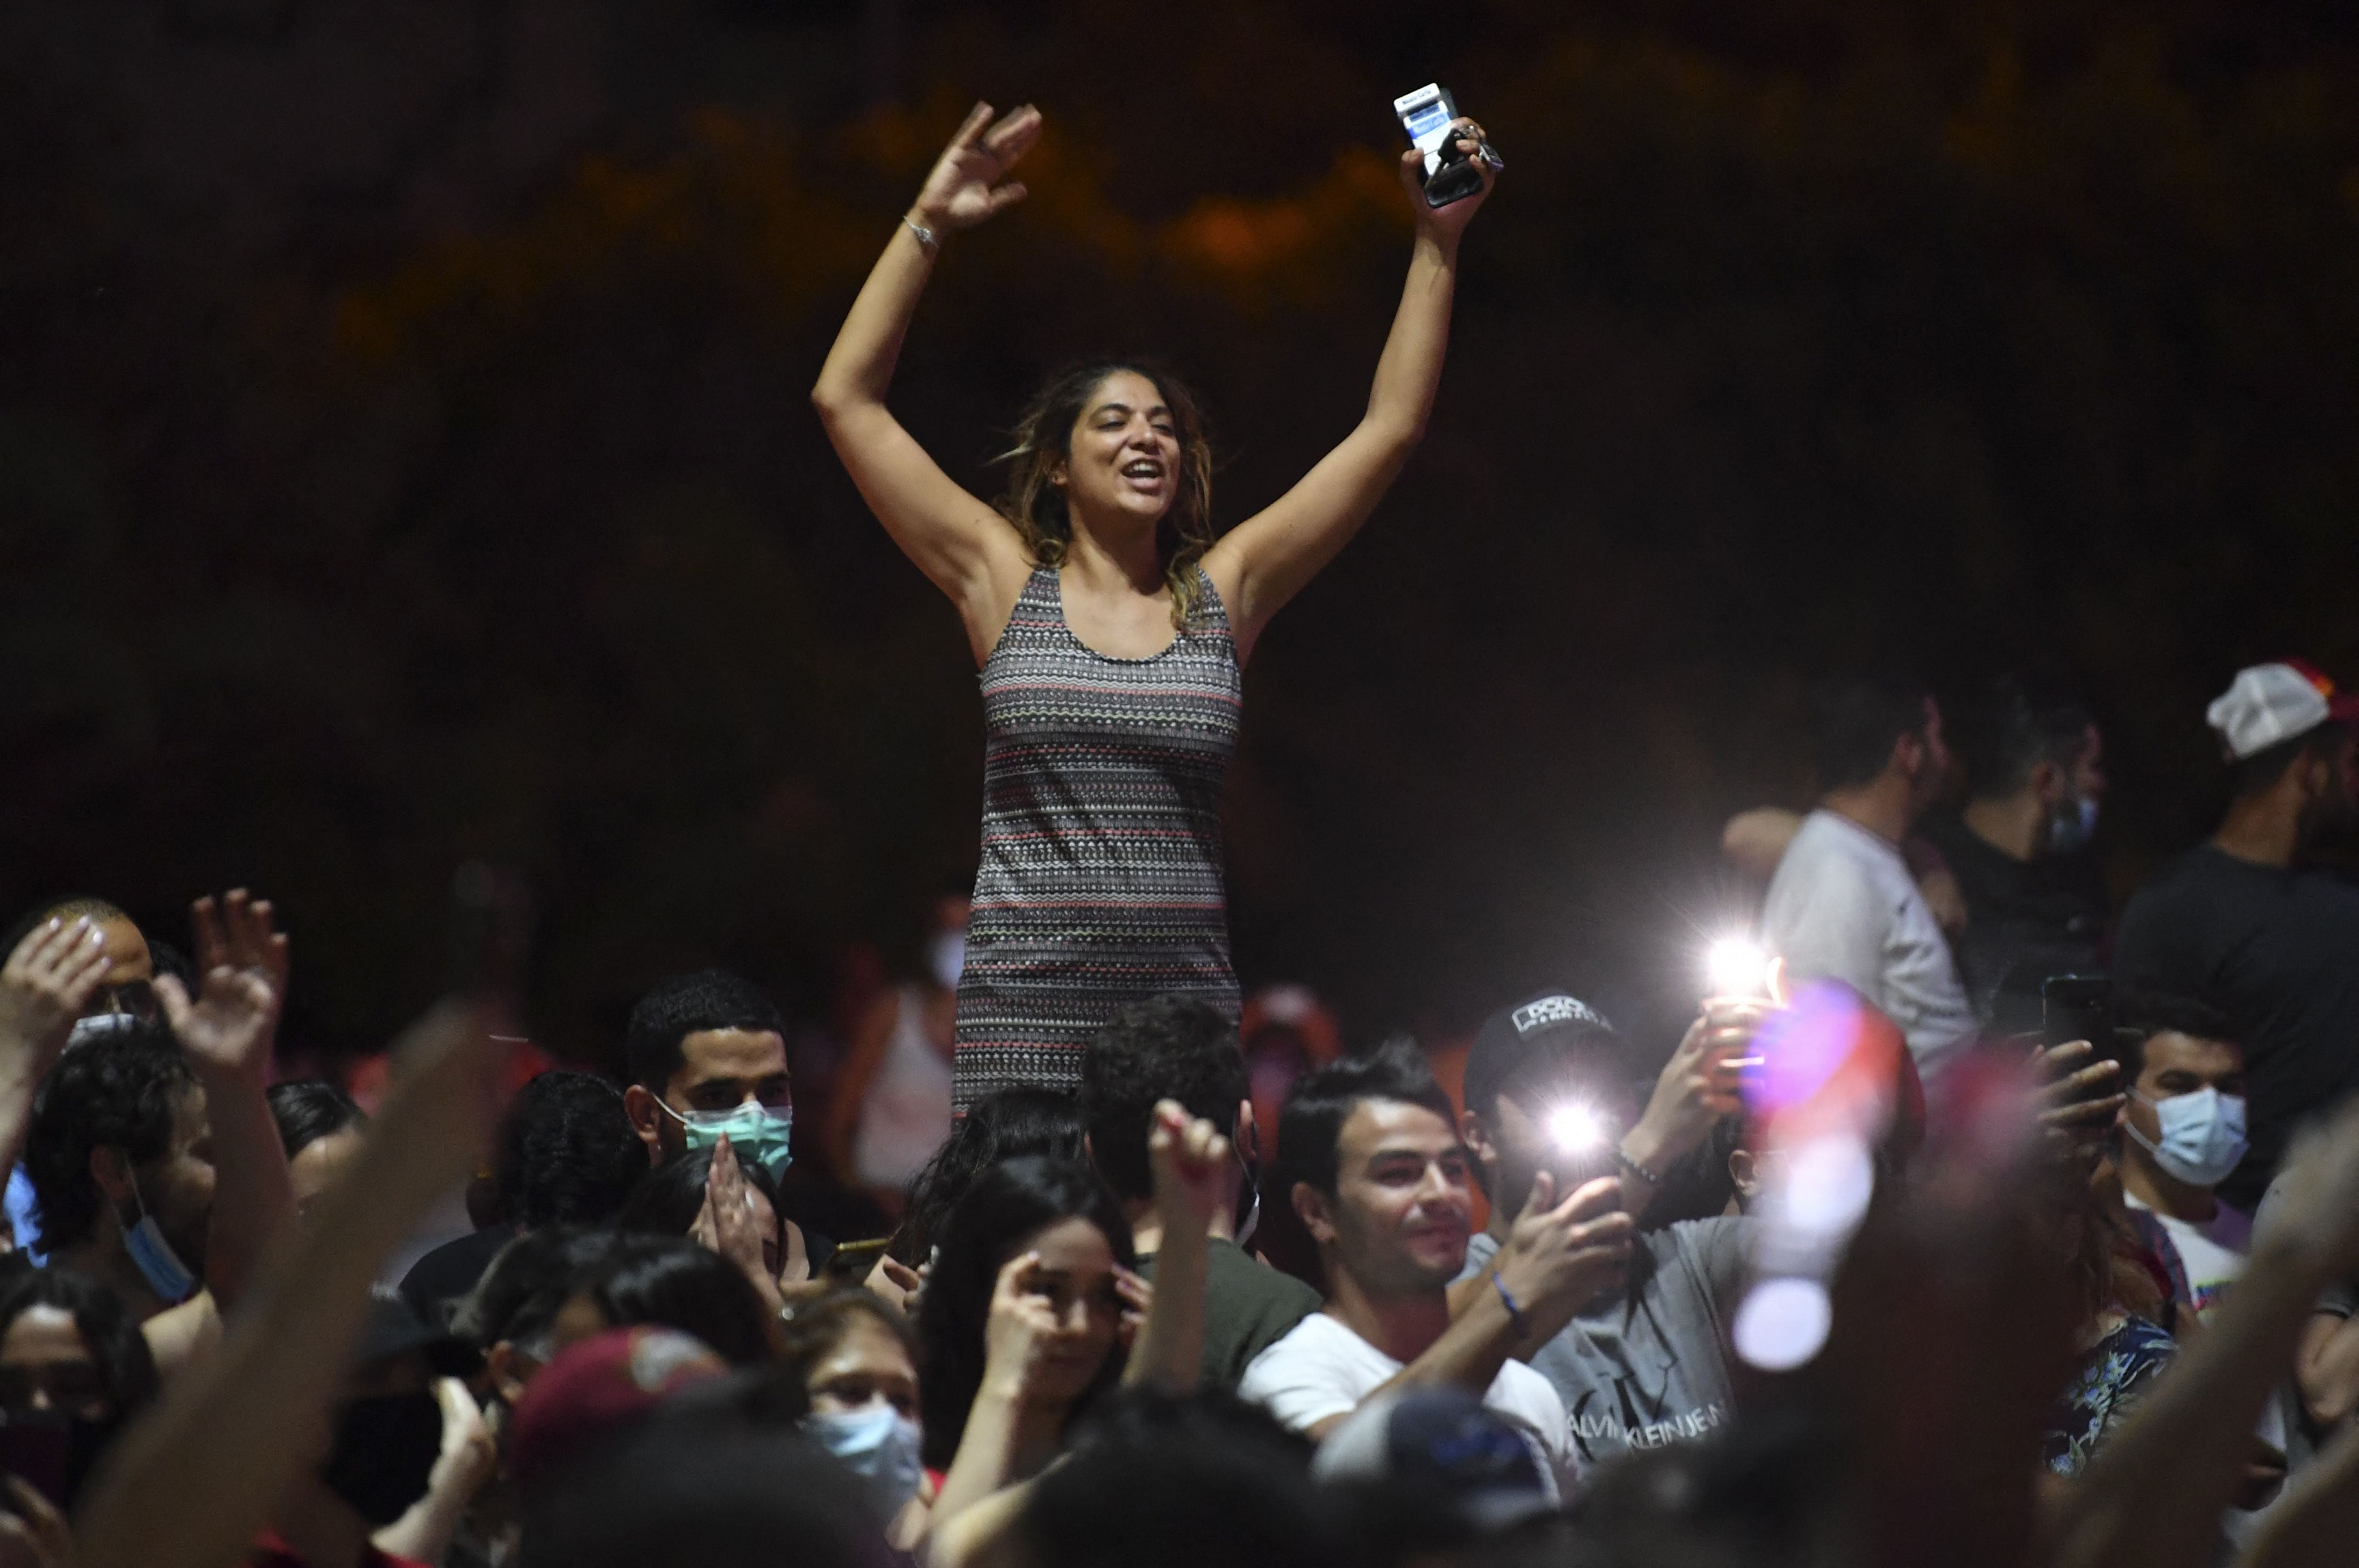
[1111, 621]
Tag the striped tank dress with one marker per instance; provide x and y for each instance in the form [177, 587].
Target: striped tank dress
[1099, 881]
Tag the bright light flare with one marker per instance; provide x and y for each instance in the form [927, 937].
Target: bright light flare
[1575, 1128]
[1736, 966]
[1783, 1323]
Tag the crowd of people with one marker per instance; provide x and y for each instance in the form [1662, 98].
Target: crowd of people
[2092, 1303]
[1965, 1224]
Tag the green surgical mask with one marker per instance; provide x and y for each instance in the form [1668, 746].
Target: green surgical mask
[759, 1135]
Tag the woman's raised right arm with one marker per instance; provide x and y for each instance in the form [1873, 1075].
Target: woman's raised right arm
[966, 549]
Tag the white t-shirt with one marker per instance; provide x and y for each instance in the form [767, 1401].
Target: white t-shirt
[2212, 1254]
[1842, 906]
[1322, 1369]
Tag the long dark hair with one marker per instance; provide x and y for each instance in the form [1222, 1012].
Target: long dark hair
[107, 1328]
[1008, 1204]
[1044, 437]
[1005, 1125]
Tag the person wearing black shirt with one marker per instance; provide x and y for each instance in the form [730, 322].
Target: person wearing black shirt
[2035, 905]
[2240, 920]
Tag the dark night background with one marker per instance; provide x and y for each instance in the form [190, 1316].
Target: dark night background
[404, 453]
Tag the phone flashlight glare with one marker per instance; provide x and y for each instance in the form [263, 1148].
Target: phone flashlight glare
[1736, 966]
[1574, 1128]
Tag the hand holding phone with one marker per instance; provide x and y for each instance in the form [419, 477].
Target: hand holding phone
[1430, 117]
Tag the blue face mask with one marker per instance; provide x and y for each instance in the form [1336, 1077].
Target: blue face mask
[759, 1135]
[877, 1441]
[2202, 1135]
[2072, 826]
[154, 1258]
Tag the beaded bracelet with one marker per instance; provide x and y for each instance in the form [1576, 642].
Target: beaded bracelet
[1637, 1170]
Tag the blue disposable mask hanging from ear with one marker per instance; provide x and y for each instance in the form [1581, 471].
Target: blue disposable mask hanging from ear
[759, 1135]
[153, 1256]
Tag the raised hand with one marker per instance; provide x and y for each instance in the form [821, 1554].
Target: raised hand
[1560, 1256]
[1698, 1085]
[44, 986]
[1020, 1324]
[227, 1029]
[966, 184]
[1189, 1160]
[1446, 223]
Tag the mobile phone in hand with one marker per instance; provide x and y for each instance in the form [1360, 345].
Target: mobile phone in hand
[1427, 116]
[2077, 1007]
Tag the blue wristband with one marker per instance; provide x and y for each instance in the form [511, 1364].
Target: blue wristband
[1515, 1314]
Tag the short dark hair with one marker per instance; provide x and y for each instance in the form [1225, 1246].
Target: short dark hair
[1006, 1124]
[527, 1284]
[568, 1153]
[2017, 725]
[117, 1091]
[1322, 1099]
[107, 1328]
[308, 1109]
[1856, 720]
[2259, 773]
[2142, 1015]
[1168, 1047]
[683, 1005]
[1009, 1201]
[673, 1281]
[668, 1198]
[1161, 1480]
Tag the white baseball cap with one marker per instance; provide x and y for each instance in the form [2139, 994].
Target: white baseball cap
[2268, 704]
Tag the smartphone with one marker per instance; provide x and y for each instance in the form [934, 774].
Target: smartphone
[34, 1449]
[853, 1260]
[1426, 116]
[2077, 1007]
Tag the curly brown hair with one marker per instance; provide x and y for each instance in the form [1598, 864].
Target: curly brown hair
[1044, 437]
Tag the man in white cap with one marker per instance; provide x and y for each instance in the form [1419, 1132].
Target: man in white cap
[2242, 924]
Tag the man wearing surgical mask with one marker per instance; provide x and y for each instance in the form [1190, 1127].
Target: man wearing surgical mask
[2035, 902]
[707, 1058]
[2182, 1132]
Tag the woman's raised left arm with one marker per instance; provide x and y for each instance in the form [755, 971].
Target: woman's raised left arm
[1268, 559]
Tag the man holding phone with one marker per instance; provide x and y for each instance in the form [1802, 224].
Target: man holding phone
[1550, 1096]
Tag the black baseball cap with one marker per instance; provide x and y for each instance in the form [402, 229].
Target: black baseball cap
[1548, 1027]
